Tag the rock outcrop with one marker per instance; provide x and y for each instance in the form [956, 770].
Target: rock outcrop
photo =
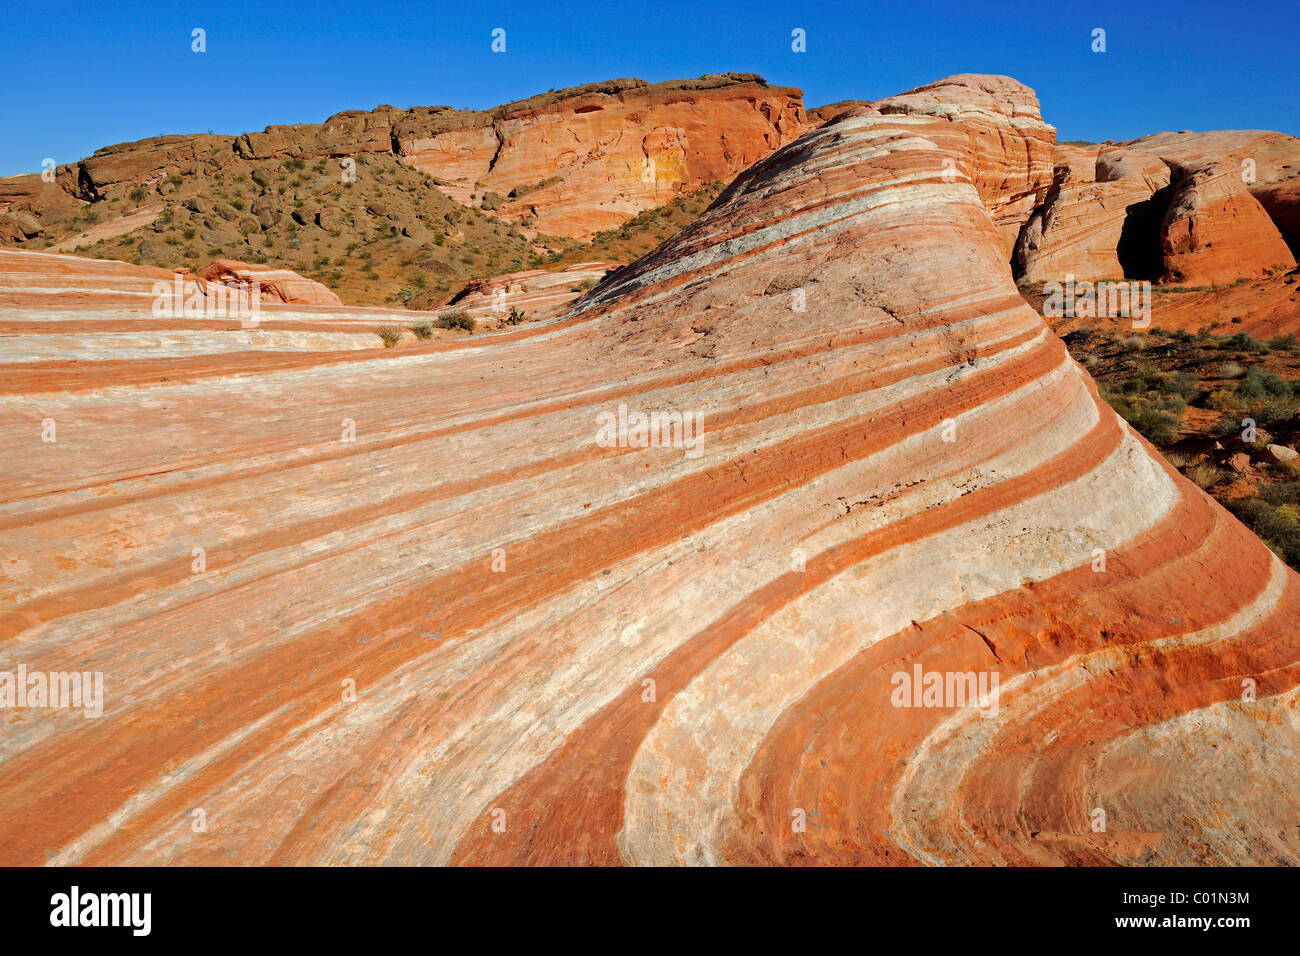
[1281, 200]
[282, 285]
[1118, 222]
[459, 603]
[567, 163]
[1081, 227]
[1216, 232]
[573, 162]
[576, 164]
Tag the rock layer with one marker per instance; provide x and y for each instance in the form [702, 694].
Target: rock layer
[477, 631]
[1216, 232]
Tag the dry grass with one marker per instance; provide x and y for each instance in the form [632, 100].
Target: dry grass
[1204, 474]
[390, 334]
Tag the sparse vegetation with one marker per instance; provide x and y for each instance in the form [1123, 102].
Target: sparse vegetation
[456, 319]
[390, 335]
[1213, 404]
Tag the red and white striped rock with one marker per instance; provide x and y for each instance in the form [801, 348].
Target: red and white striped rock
[1216, 232]
[438, 621]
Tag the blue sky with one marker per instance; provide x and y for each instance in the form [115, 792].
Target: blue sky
[85, 75]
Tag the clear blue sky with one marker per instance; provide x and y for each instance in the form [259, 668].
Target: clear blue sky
[83, 75]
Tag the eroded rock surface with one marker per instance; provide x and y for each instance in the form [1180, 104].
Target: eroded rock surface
[438, 619]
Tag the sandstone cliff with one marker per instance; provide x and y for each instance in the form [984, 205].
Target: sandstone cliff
[565, 163]
[1182, 208]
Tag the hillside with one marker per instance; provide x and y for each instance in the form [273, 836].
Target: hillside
[402, 206]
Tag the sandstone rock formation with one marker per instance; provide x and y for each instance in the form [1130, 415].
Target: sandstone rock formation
[1281, 200]
[540, 293]
[1080, 230]
[1116, 220]
[576, 164]
[279, 284]
[1216, 232]
[1007, 149]
[473, 632]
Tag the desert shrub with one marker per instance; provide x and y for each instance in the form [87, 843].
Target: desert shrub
[1261, 383]
[1274, 522]
[421, 330]
[1182, 384]
[1205, 474]
[1284, 343]
[390, 334]
[1245, 341]
[516, 316]
[1231, 370]
[1156, 417]
[139, 194]
[456, 319]
[1224, 400]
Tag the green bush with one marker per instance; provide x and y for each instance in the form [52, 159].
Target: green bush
[456, 319]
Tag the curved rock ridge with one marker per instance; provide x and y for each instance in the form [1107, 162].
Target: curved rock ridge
[495, 625]
[1008, 150]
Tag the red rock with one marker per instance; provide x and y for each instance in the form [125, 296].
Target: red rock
[585, 160]
[1216, 232]
[1281, 200]
[440, 620]
[540, 293]
[283, 285]
[1079, 230]
[1115, 227]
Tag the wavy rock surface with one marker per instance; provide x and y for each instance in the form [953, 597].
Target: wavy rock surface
[476, 634]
